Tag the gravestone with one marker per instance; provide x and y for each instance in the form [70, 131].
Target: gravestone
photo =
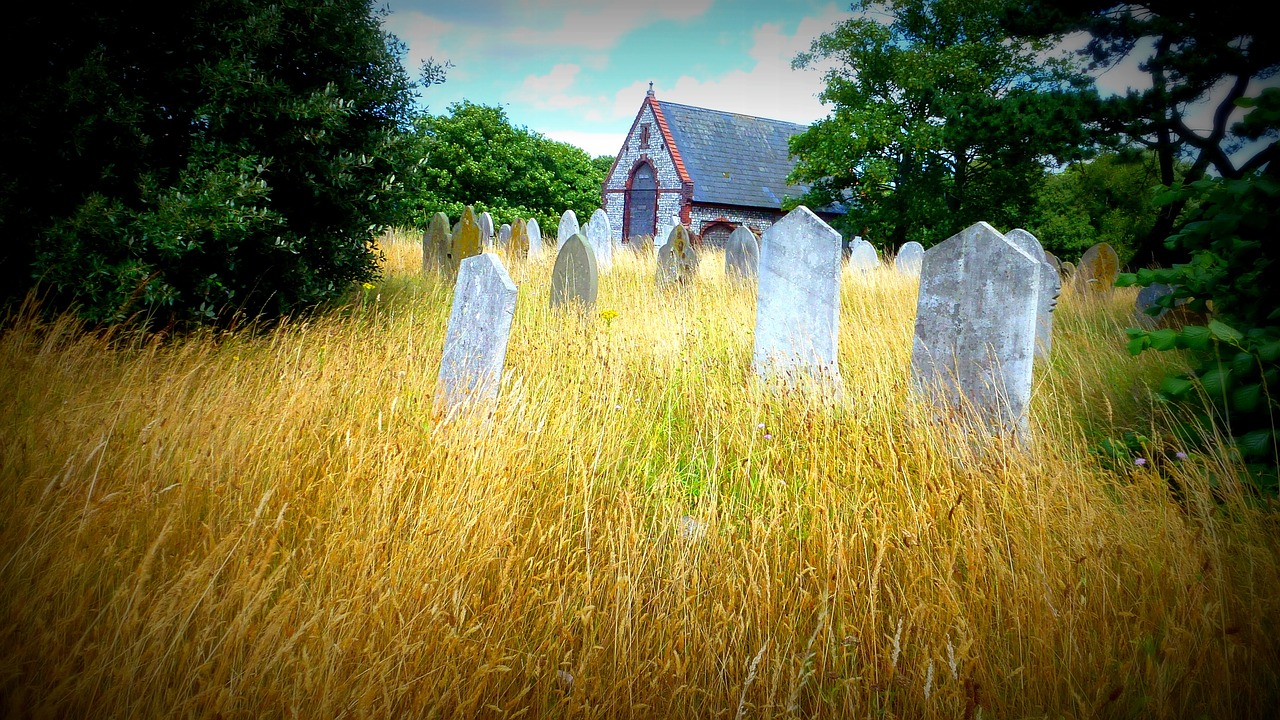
[664, 232]
[504, 235]
[436, 243]
[466, 241]
[600, 235]
[798, 301]
[677, 259]
[1050, 287]
[475, 342]
[975, 333]
[575, 275]
[486, 229]
[518, 244]
[909, 258]
[1147, 298]
[863, 256]
[742, 255]
[1098, 269]
[1054, 261]
[568, 227]
[535, 238]
[1068, 270]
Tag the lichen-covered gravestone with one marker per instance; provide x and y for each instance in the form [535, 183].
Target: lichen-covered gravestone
[568, 228]
[1098, 269]
[1050, 287]
[600, 235]
[575, 275]
[975, 333]
[466, 241]
[535, 238]
[436, 244]
[486, 229]
[518, 244]
[664, 232]
[475, 342]
[798, 300]
[742, 255]
[677, 259]
[863, 256]
[909, 258]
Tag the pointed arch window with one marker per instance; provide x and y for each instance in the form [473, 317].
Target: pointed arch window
[642, 202]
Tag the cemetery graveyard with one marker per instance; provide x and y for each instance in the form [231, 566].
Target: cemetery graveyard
[762, 481]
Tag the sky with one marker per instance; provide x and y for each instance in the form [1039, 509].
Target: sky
[577, 72]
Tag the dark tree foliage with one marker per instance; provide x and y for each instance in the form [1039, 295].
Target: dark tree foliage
[1192, 52]
[938, 121]
[188, 163]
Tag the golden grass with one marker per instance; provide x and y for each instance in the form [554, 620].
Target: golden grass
[272, 523]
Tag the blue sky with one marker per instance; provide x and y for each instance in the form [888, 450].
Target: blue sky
[577, 72]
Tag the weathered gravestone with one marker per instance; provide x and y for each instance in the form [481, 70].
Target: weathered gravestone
[742, 255]
[568, 227]
[1054, 261]
[677, 259]
[575, 275]
[486, 229]
[909, 258]
[436, 244]
[798, 300]
[466, 241]
[1068, 270]
[535, 238]
[1098, 269]
[475, 343]
[1050, 287]
[664, 232]
[518, 244]
[1148, 313]
[975, 332]
[504, 235]
[863, 256]
[600, 235]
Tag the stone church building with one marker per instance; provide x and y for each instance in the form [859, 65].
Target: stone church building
[715, 170]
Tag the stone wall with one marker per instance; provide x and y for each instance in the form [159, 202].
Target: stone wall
[666, 174]
[701, 216]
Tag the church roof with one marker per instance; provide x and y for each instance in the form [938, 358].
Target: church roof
[733, 159]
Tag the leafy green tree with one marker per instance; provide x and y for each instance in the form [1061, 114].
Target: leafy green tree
[1108, 199]
[1192, 53]
[215, 158]
[938, 120]
[473, 155]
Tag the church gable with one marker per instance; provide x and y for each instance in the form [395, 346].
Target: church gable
[646, 160]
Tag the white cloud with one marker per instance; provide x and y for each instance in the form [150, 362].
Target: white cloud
[600, 26]
[595, 143]
[551, 91]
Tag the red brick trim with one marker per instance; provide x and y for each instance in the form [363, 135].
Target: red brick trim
[669, 141]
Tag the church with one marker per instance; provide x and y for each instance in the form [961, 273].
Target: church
[715, 170]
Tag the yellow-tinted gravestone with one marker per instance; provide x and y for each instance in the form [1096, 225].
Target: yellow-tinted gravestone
[435, 243]
[1098, 269]
[518, 245]
[466, 240]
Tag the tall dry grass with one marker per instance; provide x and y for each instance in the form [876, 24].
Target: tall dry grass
[272, 523]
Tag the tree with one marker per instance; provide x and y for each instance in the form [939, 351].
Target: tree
[473, 155]
[1192, 53]
[938, 121]
[214, 158]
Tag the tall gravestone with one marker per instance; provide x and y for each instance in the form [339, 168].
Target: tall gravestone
[863, 256]
[575, 275]
[568, 227]
[600, 235]
[436, 243]
[798, 301]
[466, 241]
[677, 259]
[975, 333]
[486, 229]
[518, 244]
[475, 342]
[664, 232]
[535, 238]
[909, 259]
[742, 255]
[504, 235]
[1050, 288]
[1098, 268]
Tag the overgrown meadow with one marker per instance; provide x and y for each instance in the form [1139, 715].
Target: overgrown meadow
[273, 522]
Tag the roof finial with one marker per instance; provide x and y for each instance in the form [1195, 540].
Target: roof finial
[650, 93]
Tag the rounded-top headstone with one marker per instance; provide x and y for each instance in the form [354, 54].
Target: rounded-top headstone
[504, 235]
[436, 243]
[518, 244]
[466, 241]
[486, 228]
[677, 259]
[1098, 269]
[600, 235]
[1147, 300]
[575, 275]
[535, 238]
[475, 343]
[568, 227]
[742, 255]
[909, 258]
[863, 256]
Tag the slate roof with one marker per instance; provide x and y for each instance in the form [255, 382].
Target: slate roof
[733, 159]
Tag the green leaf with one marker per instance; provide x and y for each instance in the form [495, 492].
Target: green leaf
[1270, 352]
[1128, 279]
[1194, 337]
[1138, 344]
[1256, 443]
[1175, 387]
[1245, 399]
[1225, 332]
[1242, 364]
[1216, 382]
[1164, 339]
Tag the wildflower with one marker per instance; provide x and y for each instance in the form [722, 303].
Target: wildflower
[1140, 462]
[760, 426]
[768, 436]
[1180, 455]
[368, 286]
[617, 407]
